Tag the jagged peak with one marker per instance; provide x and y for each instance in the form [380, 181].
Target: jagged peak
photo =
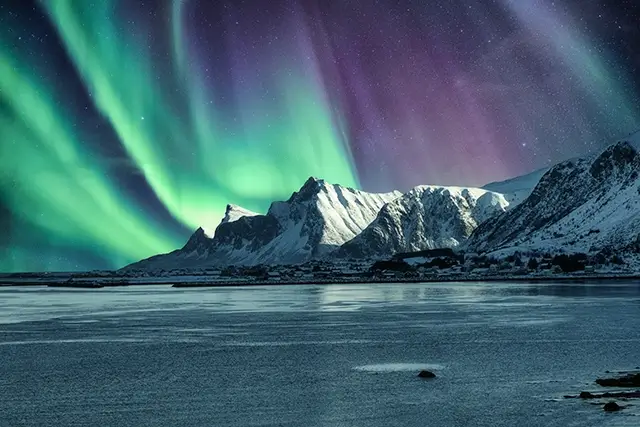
[312, 180]
[309, 189]
[235, 212]
[313, 184]
[450, 190]
[202, 233]
[199, 236]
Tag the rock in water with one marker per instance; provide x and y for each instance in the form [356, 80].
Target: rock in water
[630, 380]
[611, 407]
[586, 395]
[426, 374]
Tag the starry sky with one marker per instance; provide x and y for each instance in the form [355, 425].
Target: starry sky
[125, 125]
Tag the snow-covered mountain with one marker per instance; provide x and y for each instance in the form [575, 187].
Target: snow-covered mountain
[235, 212]
[316, 220]
[579, 205]
[515, 190]
[426, 217]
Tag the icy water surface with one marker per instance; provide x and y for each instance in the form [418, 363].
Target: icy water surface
[314, 355]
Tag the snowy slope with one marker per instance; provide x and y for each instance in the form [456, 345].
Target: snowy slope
[315, 220]
[235, 212]
[515, 190]
[579, 205]
[426, 217]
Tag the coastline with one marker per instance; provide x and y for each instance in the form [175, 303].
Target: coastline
[206, 282]
[445, 279]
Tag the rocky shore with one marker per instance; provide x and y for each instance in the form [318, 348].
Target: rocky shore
[625, 380]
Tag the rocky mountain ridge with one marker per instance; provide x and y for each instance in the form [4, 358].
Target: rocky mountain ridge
[314, 221]
[580, 205]
[427, 217]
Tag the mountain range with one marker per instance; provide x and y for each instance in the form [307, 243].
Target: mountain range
[579, 205]
[427, 217]
[312, 223]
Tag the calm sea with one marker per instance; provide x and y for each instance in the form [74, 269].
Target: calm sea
[315, 355]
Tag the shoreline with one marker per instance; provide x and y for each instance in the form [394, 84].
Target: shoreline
[202, 282]
[575, 280]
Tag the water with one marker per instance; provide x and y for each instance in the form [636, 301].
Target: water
[314, 355]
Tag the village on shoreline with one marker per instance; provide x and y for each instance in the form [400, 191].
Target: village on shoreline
[431, 266]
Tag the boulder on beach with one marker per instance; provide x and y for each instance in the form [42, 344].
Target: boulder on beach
[426, 374]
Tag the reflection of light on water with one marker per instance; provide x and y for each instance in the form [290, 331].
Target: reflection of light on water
[492, 302]
[293, 343]
[399, 367]
[76, 341]
[465, 293]
[353, 297]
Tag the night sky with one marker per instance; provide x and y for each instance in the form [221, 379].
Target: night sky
[125, 125]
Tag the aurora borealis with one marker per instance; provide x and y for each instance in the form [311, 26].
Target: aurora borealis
[124, 125]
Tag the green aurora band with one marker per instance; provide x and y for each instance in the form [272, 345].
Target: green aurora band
[195, 157]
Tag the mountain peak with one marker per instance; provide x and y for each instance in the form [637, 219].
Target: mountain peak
[310, 188]
[199, 237]
[313, 182]
[580, 205]
[235, 212]
[426, 217]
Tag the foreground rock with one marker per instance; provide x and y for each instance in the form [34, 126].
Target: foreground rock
[608, 395]
[629, 380]
[611, 407]
[426, 374]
